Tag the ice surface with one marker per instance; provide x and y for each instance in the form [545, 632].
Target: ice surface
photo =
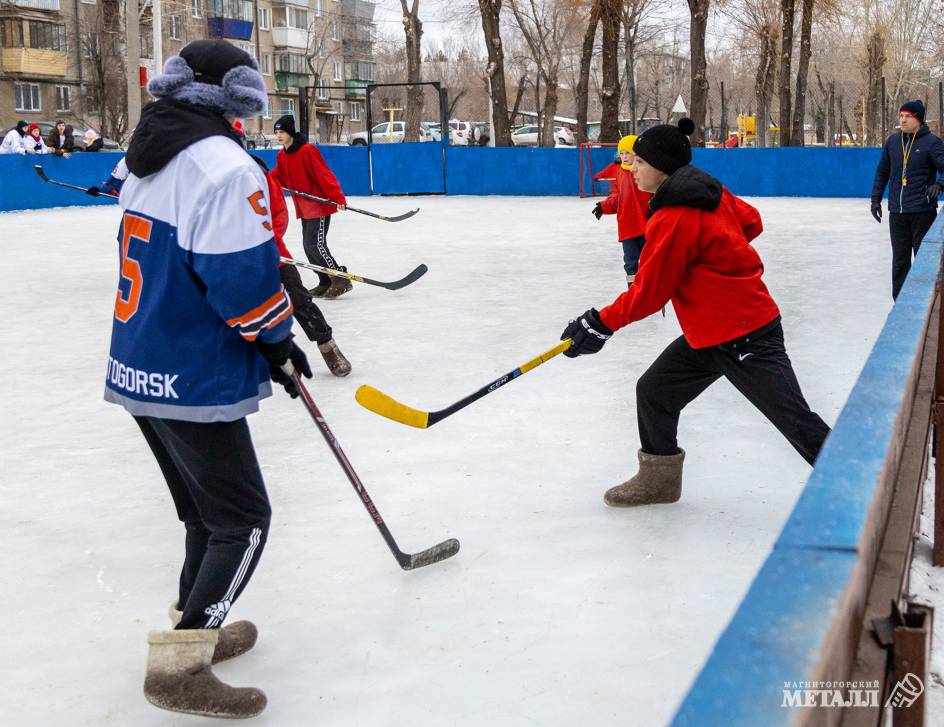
[557, 611]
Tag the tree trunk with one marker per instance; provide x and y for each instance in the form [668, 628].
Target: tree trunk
[764, 84]
[583, 80]
[831, 126]
[491, 27]
[519, 94]
[610, 18]
[550, 110]
[787, 11]
[629, 39]
[803, 70]
[875, 54]
[699, 88]
[413, 29]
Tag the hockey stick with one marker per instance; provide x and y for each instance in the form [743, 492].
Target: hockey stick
[42, 175]
[418, 272]
[407, 561]
[380, 403]
[385, 218]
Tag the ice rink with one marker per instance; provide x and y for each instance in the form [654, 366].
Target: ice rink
[556, 611]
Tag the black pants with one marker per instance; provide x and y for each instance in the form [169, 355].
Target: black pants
[308, 315]
[757, 365]
[315, 242]
[220, 497]
[907, 230]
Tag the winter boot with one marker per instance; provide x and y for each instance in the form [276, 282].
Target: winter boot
[235, 638]
[337, 364]
[339, 286]
[319, 290]
[179, 677]
[659, 480]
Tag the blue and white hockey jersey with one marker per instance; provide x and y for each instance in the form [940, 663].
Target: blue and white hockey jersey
[199, 283]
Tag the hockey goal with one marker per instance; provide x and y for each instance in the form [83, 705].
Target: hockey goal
[595, 157]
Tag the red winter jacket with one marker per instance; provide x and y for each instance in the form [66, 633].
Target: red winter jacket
[698, 255]
[608, 174]
[301, 167]
[629, 203]
[278, 211]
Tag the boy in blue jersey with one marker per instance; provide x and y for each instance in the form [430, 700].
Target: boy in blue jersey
[201, 324]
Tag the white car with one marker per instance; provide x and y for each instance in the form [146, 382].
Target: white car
[389, 133]
[460, 133]
[528, 136]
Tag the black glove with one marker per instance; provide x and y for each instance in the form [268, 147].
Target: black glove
[877, 211]
[277, 354]
[597, 210]
[588, 333]
[933, 191]
[94, 191]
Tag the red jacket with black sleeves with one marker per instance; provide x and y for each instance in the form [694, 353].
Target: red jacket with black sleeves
[301, 167]
[629, 203]
[698, 255]
[278, 211]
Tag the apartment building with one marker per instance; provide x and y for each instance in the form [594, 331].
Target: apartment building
[65, 58]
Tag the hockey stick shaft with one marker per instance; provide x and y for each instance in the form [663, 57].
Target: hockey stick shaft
[325, 200]
[380, 403]
[42, 173]
[418, 272]
[406, 561]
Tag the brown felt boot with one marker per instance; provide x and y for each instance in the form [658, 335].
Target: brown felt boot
[659, 480]
[339, 286]
[319, 290]
[235, 638]
[337, 364]
[179, 677]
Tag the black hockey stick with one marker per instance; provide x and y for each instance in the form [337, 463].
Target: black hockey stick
[42, 175]
[418, 272]
[385, 405]
[385, 218]
[407, 561]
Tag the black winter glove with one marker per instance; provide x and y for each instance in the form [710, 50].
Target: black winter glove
[933, 191]
[277, 355]
[588, 334]
[94, 191]
[877, 211]
[597, 210]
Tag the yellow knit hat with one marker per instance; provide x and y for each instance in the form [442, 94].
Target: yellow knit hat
[627, 143]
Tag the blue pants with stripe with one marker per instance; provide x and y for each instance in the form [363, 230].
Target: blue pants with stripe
[217, 487]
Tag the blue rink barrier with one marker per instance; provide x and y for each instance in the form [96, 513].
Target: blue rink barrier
[418, 169]
[802, 597]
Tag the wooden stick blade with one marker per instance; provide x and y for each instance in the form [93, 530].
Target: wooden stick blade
[379, 403]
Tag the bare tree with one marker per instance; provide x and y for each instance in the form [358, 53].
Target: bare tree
[102, 45]
[583, 80]
[803, 69]
[634, 11]
[874, 66]
[490, 11]
[787, 13]
[699, 88]
[611, 17]
[413, 28]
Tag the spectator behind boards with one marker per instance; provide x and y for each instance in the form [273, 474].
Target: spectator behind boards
[33, 142]
[909, 165]
[13, 141]
[60, 140]
[93, 142]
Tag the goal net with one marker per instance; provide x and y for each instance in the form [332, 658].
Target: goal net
[595, 157]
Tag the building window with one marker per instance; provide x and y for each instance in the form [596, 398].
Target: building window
[62, 99]
[322, 89]
[265, 64]
[175, 27]
[28, 97]
[337, 71]
[291, 63]
[248, 47]
[89, 2]
[316, 8]
[337, 108]
[286, 107]
[334, 30]
[146, 38]
[90, 45]
[11, 33]
[355, 111]
[290, 17]
[232, 9]
[264, 19]
[47, 36]
[197, 9]
[321, 48]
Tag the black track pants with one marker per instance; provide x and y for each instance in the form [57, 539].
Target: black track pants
[308, 315]
[315, 242]
[907, 230]
[214, 478]
[756, 364]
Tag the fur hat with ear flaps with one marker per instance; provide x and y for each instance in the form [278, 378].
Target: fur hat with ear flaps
[214, 75]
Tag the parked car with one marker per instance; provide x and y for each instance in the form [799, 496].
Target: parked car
[460, 133]
[390, 133]
[45, 127]
[528, 136]
[481, 133]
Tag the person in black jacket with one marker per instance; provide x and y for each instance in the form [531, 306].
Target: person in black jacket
[61, 140]
[910, 163]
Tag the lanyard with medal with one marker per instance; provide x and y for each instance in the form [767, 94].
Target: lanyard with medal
[905, 155]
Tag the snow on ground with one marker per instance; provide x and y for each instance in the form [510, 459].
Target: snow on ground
[558, 610]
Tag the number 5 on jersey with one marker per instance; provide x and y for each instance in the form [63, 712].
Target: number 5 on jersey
[140, 229]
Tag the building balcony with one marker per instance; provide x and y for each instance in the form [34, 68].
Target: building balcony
[37, 4]
[229, 28]
[287, 81]
[358, 9]
[357, 48]
[355, 88]
[33, 60]
[297, 3]
[290, 38]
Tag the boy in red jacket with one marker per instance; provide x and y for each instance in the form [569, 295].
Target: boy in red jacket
[308, 315]
[300, 166]
[630, 205]
[697, 255]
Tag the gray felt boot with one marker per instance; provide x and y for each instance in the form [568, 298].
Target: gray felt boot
[659, 480]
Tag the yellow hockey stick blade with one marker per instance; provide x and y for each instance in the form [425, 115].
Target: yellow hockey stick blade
[379, 403]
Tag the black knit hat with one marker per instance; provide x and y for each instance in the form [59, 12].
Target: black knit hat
[286, 124]
[666, 147]
[915, 108]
